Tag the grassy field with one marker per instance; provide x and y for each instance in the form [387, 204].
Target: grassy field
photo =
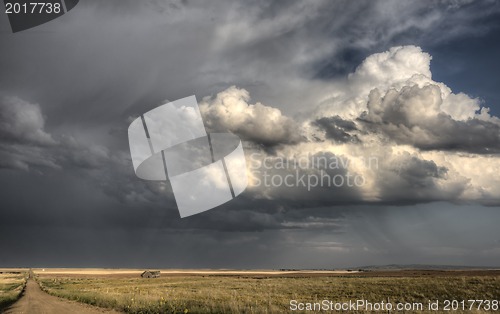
[11, 286]
[245, 292]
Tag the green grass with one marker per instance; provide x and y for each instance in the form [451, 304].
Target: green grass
[11, 286]
[230, 294]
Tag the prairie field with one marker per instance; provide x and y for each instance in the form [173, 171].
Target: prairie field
[263, 291]
[11, 285]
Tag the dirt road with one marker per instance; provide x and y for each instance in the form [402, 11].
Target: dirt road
[35, 301]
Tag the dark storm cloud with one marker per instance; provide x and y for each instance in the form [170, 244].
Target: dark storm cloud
[22, 122]
[104, 62]
[109, 188]
[23, 136]
[72, 86]
[338, 129]
[383, 236]
[25, 141]
[429, 233]
[417, 181]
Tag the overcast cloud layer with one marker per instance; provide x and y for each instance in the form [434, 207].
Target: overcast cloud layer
[345, 81]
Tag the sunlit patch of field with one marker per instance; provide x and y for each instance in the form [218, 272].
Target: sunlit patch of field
[208, 291]
[183, 272]
[12, 282]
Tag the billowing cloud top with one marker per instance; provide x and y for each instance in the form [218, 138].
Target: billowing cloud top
[427, 140]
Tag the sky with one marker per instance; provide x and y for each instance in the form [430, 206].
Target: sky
[402, 94]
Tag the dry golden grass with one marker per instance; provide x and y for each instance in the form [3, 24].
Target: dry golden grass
[11, 285]
[261, 292]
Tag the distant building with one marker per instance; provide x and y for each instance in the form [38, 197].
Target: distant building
[150, 274]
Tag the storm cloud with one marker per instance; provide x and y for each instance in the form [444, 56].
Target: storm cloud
[358, 84]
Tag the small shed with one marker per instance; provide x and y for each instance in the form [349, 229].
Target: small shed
[150, 274]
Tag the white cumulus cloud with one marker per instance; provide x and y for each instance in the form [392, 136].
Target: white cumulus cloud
[230, 110]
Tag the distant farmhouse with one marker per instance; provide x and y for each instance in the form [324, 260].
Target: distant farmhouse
[151, 274]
